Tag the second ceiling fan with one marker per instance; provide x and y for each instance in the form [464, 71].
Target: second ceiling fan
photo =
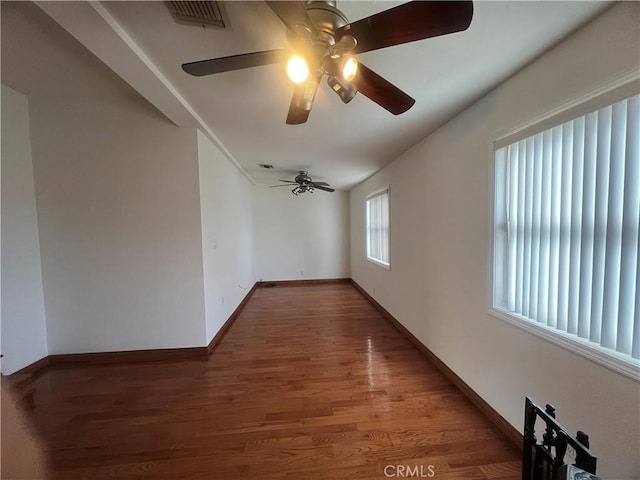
[303, 183]
[323, 42]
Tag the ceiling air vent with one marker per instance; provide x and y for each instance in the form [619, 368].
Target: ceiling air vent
[205, 14]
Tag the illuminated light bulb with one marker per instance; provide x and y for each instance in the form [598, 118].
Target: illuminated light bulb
[349, 68]
[297, 69]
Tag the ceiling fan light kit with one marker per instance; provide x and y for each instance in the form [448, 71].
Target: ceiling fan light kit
[345, 90]
[323, 42]
[297, 69]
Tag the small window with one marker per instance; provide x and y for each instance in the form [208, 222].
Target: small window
[566, 231]
[378, 228]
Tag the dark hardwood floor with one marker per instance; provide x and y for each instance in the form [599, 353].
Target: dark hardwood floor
[309, 383]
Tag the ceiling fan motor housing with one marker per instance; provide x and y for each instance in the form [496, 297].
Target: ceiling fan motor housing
[318, 44]
[302, 177]
[327, 18]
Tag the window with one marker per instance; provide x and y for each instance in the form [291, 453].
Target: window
[378, 228]
[566, 233]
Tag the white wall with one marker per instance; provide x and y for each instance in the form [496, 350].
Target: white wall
[438, 282]
[117, 193]
[227, 235]
[303, 237]
[24, 333]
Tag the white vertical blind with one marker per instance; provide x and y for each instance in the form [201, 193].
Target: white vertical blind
[572, 210]
[378, 227]
[565, 200]
[628, 335]
[577, 188]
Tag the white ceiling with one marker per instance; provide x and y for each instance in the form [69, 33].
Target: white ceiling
[245, 110]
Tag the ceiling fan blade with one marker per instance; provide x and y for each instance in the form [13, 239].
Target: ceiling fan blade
[381, 91]
[291, 13]
[287, 181]
[235, 62]
[297, 115]
[326, 189]
[324, 184]
[302, 99]
[273, 186]
[407, 23]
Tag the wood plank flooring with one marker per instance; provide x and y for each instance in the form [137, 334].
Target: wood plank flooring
[309, 383]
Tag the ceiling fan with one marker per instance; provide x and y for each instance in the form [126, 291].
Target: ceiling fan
[303, 183]
[323, 42]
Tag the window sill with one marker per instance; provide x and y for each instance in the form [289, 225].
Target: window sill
[379, 263]
[612, 360]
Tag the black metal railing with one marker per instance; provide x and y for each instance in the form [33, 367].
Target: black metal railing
[544, 460]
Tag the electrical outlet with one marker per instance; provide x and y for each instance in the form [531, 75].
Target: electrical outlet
[301, 273]
[374, 291]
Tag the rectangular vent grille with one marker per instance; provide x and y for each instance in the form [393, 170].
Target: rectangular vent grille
[203, 13]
